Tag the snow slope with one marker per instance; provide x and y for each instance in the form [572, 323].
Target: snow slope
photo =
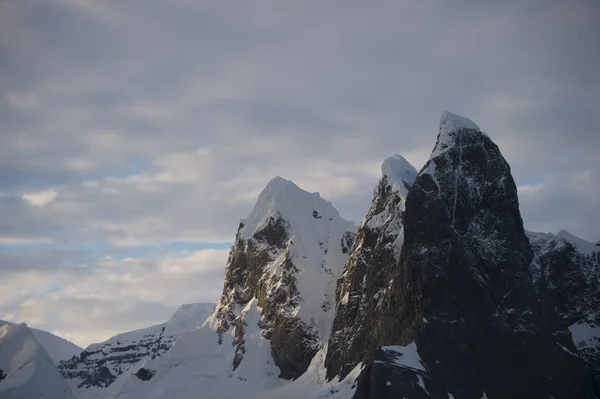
[198, 367]
[27, 369]
[57, 348]
[103, 368]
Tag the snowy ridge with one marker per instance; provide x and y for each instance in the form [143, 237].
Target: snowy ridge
[545, 242]
[27, 371]
[198, 365]
[583, 246]
[103, 368]
[57, 347]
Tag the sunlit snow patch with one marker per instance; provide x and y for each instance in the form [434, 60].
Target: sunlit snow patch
[405, 356]
[585, 335]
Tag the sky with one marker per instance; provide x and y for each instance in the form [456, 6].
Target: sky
[134, 135]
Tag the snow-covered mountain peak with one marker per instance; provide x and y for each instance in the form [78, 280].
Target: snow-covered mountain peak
[582, 245]
[450, 122]
[283, 199]
[399, 173]
[451, 127]
[549, 241]
[288, 255]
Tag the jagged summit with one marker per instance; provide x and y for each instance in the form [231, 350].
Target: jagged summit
[282, 198]
[452, 129]
[399, 173]
[286, 260]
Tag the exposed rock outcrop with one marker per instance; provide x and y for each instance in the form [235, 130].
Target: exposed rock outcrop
[363, 285]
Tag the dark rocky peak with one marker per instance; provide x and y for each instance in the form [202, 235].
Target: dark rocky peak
[461, 294]
[363, 284]
[287, 257]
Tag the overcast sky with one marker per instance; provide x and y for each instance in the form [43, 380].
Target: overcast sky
[135, 134]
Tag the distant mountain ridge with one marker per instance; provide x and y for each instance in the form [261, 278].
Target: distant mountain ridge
[104, 367]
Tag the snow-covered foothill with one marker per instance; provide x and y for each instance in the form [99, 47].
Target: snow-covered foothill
[26, 368]
[57, 347]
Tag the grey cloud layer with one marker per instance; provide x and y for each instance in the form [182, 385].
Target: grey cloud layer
[161, 121]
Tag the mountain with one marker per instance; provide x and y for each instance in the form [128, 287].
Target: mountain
[566, 271]
[440, 293]
[104, 367]
[286, 259]
[57, 348]
[364, 283]
[26, 369]
[277, 307]
[460, 316]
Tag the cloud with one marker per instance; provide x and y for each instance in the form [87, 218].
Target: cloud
[112, 295]
[41, 198]
[549, 204]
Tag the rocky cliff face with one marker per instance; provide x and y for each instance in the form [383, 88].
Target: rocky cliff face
[363, 285]
[566, 271]
[461, 298]
[99, 366]
[288, 255]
